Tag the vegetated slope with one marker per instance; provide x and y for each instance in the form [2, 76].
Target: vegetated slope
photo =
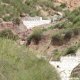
[71, 4]
[57, 39]
[10, 9]
[18, 63]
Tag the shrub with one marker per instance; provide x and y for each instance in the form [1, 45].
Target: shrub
[7, 18]
[68, 25]
[76, 19]
[29, 39]
[51, 27]
[63, 5]
[58, 8]
[68, 35]
[44, 29]
[76, 31]
[35, 36]
[77, 25]
[63, 25]
[16, 21]
[8, 34]
[74, 16]
[60, 25]
[71, 50]
[56, 55]
[48, 4]
[57, 39]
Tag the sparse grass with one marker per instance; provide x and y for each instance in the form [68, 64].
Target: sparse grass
[18, 63]
[56, 55]
[74, 16]
[14, 8]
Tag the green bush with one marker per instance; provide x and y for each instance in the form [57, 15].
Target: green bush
[58, 8]
[64, 36]
[63, 5]
[29, 39]
[16, 21]
[57, 39]
[51, 27]
[35, 36]
[68, 35]
[71, 50]
[56, 55]
[48, 4]
[76, 19]
[7, 18]
[68, 25]
[8, 34]
[60, 25]
[74, 16]
[63, 25]
[76, 31]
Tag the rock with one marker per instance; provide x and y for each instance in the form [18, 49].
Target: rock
[22, 42]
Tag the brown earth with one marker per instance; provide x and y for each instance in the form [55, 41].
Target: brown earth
[19, 30]
[71, 4]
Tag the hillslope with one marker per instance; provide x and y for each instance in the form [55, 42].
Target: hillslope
[18, 63]
[10, 9]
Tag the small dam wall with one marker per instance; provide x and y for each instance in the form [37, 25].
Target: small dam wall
[31, 22]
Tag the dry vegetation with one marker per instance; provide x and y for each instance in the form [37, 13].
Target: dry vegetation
[19, 63]
[62, 36]
[51, 42]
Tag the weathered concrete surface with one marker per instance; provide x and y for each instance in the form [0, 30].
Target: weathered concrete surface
[31, 24]
[65, 66]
